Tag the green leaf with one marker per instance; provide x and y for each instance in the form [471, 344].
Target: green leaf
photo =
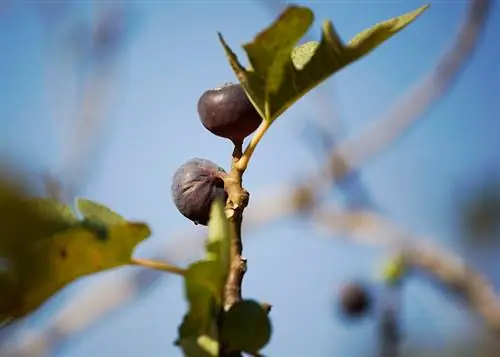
[203, 290]
[281, 74]
[218, 246]
[94, 211]
[246, 327]
[38, 269]
[24, 220]
[203, 287]
[369, 39]
[197, 343]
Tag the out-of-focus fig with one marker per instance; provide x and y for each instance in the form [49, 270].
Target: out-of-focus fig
[355, 300]
[194, 187]
[227, 112]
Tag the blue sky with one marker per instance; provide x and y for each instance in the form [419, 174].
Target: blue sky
[171, 56]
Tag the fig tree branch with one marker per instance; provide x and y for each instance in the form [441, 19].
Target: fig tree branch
[236, 203]
[101, 298]
[419, 254]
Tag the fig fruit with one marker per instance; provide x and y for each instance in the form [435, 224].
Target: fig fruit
[355, 300]
[227, 112]
[195, 185]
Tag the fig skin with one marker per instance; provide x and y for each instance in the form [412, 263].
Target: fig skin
[227, 112]
[195, 185]
[355, 300]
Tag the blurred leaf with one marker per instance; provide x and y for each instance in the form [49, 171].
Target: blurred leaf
[94, 211]
[281, 74]
[209, 344]
[26, 219]
[246, 327]
[218, 246]
[54, 210]
[39, 269]
[44, 247]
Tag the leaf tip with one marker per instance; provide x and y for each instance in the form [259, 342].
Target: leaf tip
[140, 229]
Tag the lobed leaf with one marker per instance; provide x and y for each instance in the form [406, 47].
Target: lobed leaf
[281, 73]
[41, 268]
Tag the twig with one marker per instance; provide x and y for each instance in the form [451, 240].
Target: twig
[237, 201]
[418, 253]
[157, 265]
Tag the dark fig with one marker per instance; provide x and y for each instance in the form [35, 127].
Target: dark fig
[194, 187]
[355, 300]
[227, 112]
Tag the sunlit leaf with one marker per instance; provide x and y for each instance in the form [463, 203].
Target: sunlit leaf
[38, 269]
[280, 73]
[94, 211]
[246, 327]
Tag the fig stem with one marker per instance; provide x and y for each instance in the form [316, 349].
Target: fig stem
[156, 265]
[242, 163]
[235, 205]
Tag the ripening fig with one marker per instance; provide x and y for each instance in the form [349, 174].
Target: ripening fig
[194, 187]
[355, 300]
[227, 112]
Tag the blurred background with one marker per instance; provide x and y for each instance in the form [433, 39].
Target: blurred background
[98, 99]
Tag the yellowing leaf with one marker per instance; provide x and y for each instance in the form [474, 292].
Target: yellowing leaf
[39, 269]
[282, 74]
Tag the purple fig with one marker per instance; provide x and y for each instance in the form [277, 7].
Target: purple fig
[227, 112]
[194, 187]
